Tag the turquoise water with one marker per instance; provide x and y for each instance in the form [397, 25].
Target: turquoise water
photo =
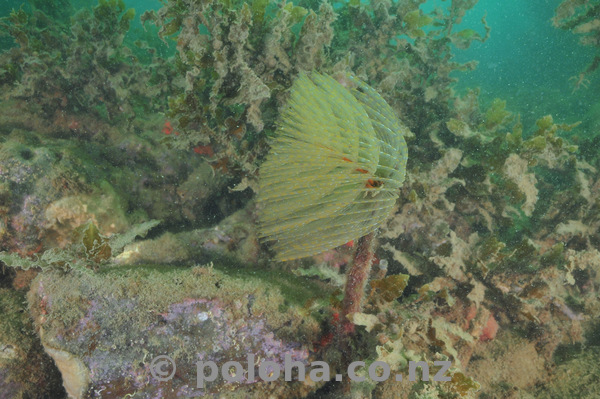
[529, 62]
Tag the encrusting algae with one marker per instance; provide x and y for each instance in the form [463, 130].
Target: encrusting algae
[334, 169]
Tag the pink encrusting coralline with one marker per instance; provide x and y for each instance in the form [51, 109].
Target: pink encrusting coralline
[490, 329]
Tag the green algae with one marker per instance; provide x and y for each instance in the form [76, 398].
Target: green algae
[578, 377]
[415, 20]
[296, 290]
[14, 324]
[496, 115]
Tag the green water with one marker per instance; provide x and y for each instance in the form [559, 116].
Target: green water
[529, 62]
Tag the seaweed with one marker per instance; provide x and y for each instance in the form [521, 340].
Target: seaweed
[581, 18]
[58, 63]
[90, 250]
[239, 59]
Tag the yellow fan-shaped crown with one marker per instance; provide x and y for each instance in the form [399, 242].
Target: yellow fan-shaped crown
[334, 169]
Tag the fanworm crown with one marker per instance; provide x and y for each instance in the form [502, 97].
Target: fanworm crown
[334, 169]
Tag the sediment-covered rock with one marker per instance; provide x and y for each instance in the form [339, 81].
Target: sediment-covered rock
[106, 331]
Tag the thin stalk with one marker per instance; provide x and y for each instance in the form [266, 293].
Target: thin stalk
[356, 281]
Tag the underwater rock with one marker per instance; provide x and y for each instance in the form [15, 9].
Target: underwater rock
[105, 331]
[44, 194]
[25, 370]
[26, 188]
[235, 237]
[64, 215]
[50, 186]
[512, 361]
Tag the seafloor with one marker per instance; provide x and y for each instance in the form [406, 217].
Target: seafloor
[131, 145]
